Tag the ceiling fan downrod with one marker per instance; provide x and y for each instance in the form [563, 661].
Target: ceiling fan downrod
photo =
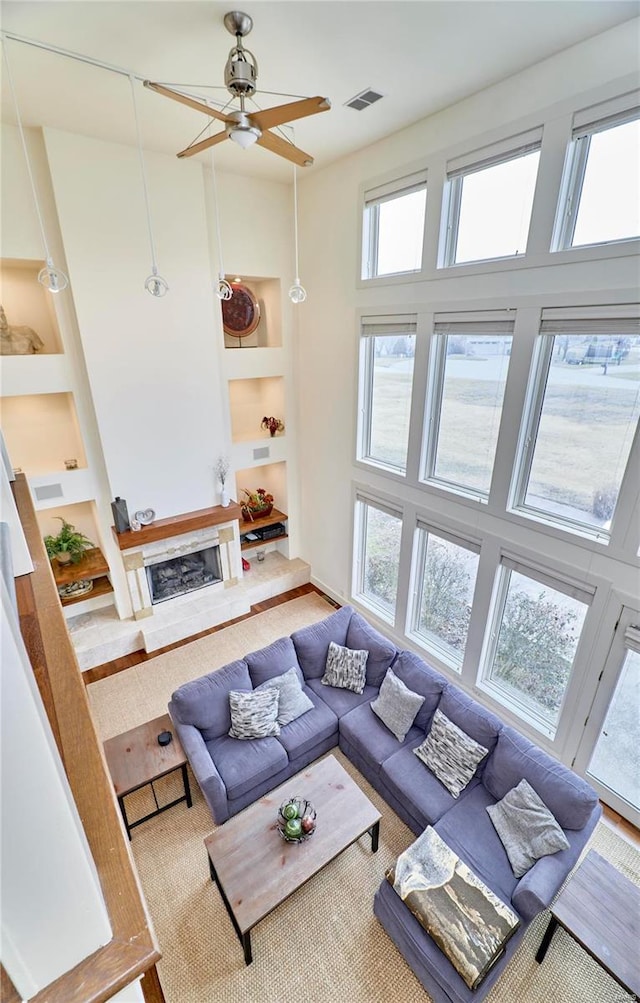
[241, 69]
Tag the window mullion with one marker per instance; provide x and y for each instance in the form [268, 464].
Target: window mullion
[532, 413]
[435, 389]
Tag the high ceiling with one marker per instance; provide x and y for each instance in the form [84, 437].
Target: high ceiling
[422, 56]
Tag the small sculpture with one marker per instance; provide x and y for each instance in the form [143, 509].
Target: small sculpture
[18, 340]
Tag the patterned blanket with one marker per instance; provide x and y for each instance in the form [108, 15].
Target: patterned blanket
[467, 921]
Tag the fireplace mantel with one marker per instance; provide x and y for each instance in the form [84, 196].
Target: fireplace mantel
[163, 529]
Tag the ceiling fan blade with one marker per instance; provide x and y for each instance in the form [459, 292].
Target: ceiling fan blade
[203, 145]
[270, 117]
[183, 99]
[284, 149]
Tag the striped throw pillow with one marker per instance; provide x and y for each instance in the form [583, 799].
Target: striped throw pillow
[451, 754]
[346, 668]
[254, 715]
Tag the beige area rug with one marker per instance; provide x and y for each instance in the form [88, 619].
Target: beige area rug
[324, 944]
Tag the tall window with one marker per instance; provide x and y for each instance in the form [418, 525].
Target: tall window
[488, 200]
[468, 374]
[600, 194]
[532, 640]
[583, 411]
[387, 349]
[377, 556]
[393, 227]
[445, 570]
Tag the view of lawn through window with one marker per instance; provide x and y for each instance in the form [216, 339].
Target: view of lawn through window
[470, 408]
[445, 595]
[380, 557]
[389, 404]
[538, 634]
[588, 419]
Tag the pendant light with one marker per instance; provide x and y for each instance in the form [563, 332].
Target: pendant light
[297, 292]
[223, 288]
[154, 283]
[52, 278]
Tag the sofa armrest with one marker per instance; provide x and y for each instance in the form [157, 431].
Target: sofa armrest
[537, 888]
[204, 769]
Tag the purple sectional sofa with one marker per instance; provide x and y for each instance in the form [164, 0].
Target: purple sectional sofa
[234, 773]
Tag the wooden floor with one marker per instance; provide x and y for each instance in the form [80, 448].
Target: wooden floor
[610, 817]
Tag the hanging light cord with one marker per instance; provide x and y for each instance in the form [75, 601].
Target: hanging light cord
[297, 292]
[223, 288]
[62, 278]
[152, 283]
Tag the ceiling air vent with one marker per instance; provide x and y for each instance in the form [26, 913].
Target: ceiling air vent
[363, 100]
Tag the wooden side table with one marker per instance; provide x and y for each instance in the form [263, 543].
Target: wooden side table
[600, 909]
[135, 759]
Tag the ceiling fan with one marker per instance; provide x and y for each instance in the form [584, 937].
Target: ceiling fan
[246, 127]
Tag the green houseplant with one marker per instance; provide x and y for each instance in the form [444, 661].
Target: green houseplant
[69, 545]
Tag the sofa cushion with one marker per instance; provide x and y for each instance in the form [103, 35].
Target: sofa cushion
[204, 702]
[421, 678]
[467, 828]
[312, 642]
[570, 799]
[425, 797]
[526, 828]
[310, 729]
[273, 660]
[254, 715]
[341, 701]
[396, 705]
[366, 733]
[346, 668]
[382, 652]
[245, 765]
[293, 701]
[450, 753]
[480, 724]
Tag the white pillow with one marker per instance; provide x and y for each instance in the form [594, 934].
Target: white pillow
[293, 702]
[526, 827]
[396, 705]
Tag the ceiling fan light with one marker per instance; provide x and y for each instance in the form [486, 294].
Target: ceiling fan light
[244, 135]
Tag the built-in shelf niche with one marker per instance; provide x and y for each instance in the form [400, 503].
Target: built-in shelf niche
[82, 515]
[28, 304]
[270, 476]
[268, 333]
[252, 400]
[42, 432]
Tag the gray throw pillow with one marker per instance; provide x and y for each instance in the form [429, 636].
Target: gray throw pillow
[255, 714]
[396, 705]
[293, 700]
[346, 668]
[451, 754]
[526, 827]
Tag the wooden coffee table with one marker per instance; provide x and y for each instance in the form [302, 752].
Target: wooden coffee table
[135, 759]
[600, 909]
[255, 869]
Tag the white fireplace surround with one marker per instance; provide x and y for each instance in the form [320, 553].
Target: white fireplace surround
[137, 559]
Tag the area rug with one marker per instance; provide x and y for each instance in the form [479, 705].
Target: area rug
[324, 944]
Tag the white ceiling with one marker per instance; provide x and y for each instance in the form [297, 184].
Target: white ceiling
[423, 56]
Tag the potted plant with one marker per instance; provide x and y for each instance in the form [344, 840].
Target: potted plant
[69, 545]
[256, 505]
[272, 424]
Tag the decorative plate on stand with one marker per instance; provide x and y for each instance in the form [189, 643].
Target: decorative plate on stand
[240, 314]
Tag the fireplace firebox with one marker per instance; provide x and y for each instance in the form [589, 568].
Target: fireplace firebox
[186, 573]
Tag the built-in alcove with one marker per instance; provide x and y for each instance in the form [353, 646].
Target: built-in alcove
[92, 568]
[42, 433]
[270, 476]
[27, 304]
[250, 401]
[268, 333]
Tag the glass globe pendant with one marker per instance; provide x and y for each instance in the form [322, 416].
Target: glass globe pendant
[297, 292]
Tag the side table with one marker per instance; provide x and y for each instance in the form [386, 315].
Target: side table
[135, 759]
[600, 908]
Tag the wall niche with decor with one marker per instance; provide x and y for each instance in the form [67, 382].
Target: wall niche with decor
[250, 401]
[29, 325]
[252, 318]
[42, 433]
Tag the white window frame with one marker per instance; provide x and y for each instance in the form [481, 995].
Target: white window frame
[423, 530]
[471, 163]
[621, 320]
[373, 198]
[577, 590]
[483, 324]
[597, 118]
[370, 329]
[362, 502]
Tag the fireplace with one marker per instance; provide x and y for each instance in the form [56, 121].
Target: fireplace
[186, 573]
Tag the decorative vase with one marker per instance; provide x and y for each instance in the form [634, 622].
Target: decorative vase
[120, 514]
[224, 497]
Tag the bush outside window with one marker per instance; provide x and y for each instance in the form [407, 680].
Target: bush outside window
[378, 533]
